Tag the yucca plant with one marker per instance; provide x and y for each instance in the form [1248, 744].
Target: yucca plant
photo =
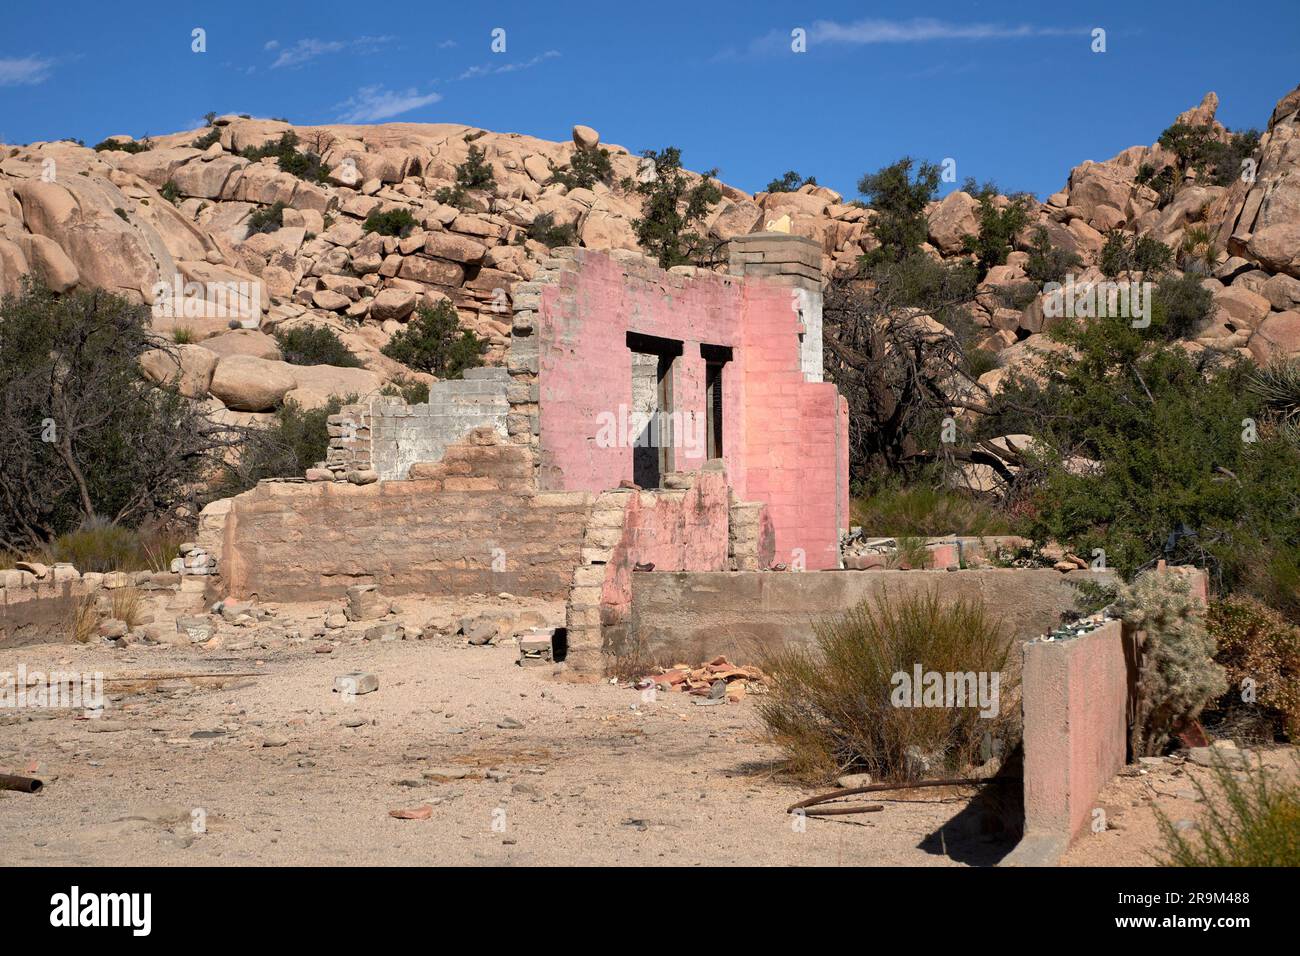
[1278, 384]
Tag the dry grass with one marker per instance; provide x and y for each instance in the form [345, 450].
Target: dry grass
[1254, 822]
[830, 707]
[126, 604]
[83, 620]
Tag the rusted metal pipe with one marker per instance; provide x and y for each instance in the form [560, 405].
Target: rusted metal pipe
[21, 784]
[880, 787]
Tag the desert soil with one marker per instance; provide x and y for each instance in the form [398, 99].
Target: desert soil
[279, 769]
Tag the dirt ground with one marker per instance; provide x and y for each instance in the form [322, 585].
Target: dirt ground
[278, 768]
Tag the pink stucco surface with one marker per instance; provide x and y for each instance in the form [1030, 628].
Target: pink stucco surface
[674, 531]
[784, 438]
[1075, 731]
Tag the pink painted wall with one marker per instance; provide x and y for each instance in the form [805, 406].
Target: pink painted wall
[784, 439]
[1076, 731]
[674, 531]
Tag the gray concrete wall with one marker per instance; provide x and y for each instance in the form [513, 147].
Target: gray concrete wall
[401, 435]
[695, 616]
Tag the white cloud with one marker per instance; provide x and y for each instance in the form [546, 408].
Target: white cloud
[917, 30]
[474, 72]
[24, 71]
[311, 47]
[372, 104]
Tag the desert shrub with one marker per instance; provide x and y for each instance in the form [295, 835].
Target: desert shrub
[544, 230]
[910, 553]
[790, 182]
[900, 199]
[303, 164]
[673, 209]
[1197, 251]
[295, 440]
[1130, 253]
[208, 139]
[86, 434]
[1255, 642]
[409, 390]
[1253, 821]
[830, 708]
[1165, 431]
[268, 219]
[170, 191]
[924, 510]
[1046, 262]
[1180, 305]
[1177, 675]
[1198, 150]
[433, 341]
[97, 545]
[183, 335]
[586, 168]
[129, 146]
[315, 345]
[997, 229]
[391, 222]
[473, 174]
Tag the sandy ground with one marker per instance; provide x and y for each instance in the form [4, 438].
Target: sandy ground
[279, 769]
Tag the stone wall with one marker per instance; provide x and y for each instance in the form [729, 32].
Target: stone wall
[466, 525]
[696, 616]
[388, 436]
[39, 610]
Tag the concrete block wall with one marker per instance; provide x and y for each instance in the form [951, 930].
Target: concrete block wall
[389, 436]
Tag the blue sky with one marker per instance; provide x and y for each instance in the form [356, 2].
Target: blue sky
[1010, 90]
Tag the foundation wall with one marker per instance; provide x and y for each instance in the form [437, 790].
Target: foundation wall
[695, 616]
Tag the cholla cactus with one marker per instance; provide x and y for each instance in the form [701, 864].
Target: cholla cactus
[1177, 675]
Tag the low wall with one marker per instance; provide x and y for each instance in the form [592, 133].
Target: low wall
[304, 542]
[1075, 694]
[40, 611]
[695, 616]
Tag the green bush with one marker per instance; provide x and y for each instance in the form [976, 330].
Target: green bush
[433, 341]
[315, 345]
[87, 436]
[674, 209]
[305, 165]
[1251, 822]
[586, 168]
[171, 192]
[544, 230]
[998, 229]
[296, 440]
[1198, 150]
[391, 222]
[102, 546]
[409, 390]
[900, 199]
[473, 174]
[130, 146]
[790, 182]
[1124, 253]
[924, 511]
[1046, 262]
[1180, 305]
[831, 709]
[1177, 675]
[268, 219]
[208, 139]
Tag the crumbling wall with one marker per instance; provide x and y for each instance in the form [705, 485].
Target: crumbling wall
[388, 436]
[670, 529]
[469, 524]
[785, 432]
[40, 610]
